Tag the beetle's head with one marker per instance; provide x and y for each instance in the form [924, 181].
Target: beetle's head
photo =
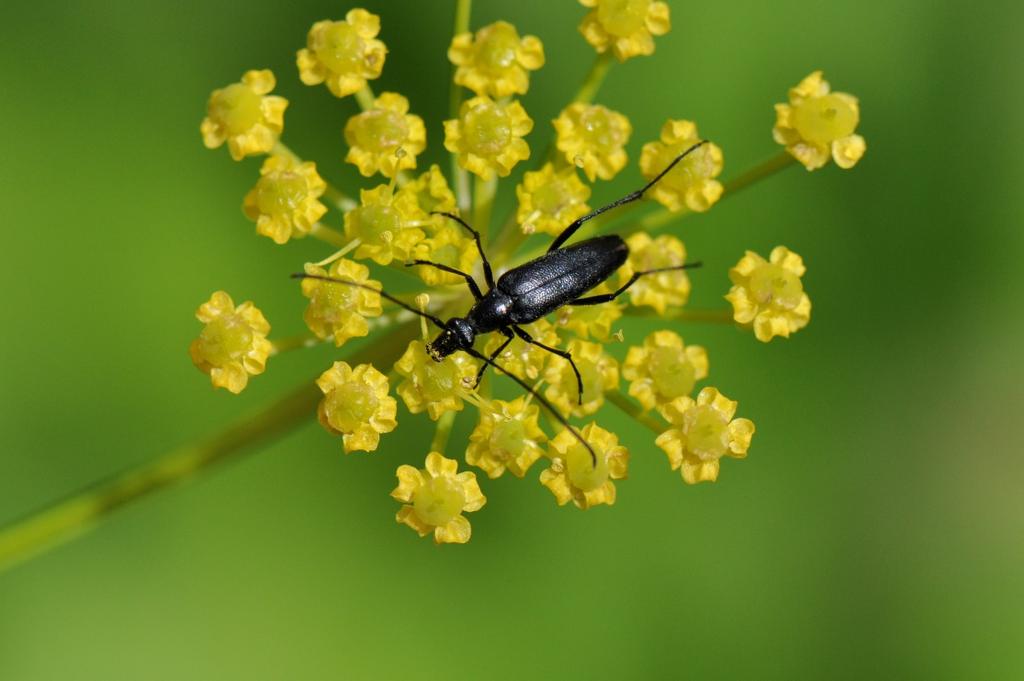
[457, 335]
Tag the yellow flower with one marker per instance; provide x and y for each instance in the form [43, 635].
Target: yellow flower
[769, 294]
[344, 54]
[386, 223]
[385, 138]
[507, 437]
[599, 371]
[337, 310]
[432, 193]
[436, 497]
[691, 183]
[434, 387]
[705, 432]
[356, 405]
[448, 245]
[284, 203]
[588, 321]
[524, 359]
[664, 288]
[245, 116]
[663, 368]
[573, 475]
[818, 123]
[488, 136]
[593, 138]
[625, 26]
[233, 344]
[496, 62]
[550, 199]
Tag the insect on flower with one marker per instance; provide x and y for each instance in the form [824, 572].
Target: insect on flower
[530, 291]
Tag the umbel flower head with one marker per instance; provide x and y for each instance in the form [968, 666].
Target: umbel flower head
[488, 136]
[573, 475]
[704, 432]
[507, 438]
[563, 363]
[818, 124]
[691, 183]
[340, 312]
[769, 293]
[233, 345]
[496, 62]
[626, 27]
[285, 202]
[386, 223]
[594, 138]
[435, 498]
[663, 368]
[356, 405]
[385, 138]
[550, 199]
[343, 54]
[664, 289]
[245, 116]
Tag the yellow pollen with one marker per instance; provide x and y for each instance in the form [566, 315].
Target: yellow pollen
[438, 501]
[342, 48]
[237, 108]
[775, 284]
[623, 17]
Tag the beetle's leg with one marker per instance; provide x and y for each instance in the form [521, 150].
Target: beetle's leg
[608, 297]
[494, 355]
[628, 198]
[488, 275]
[561, 353]
[473, 288]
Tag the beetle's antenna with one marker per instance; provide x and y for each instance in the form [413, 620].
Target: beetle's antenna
[540, 398]
[628, 198]
[400, 303]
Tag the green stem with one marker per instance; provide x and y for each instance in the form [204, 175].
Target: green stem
[483, 202]
[662, 218]
[684, 315]
[459, 174]
[634, 410]
[365, 97]
[594, 78]
[443, 431]
[329, 235]
[64, 520]
[302, 340]
[333, 194]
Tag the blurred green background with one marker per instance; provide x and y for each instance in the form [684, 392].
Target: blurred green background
[875, 530]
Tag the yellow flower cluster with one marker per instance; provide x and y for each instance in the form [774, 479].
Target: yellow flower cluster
[285, 202]
[769, 294]
[488, 136]
[626, 27]
[233, 345]
[343, 54]
[245, 116]
[410, 217]
[818, 124]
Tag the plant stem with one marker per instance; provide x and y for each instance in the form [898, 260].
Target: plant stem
[483, 202]
[443, 431]
[459, 174]
[329, 235]
[663, 217]
[365, 98]
[634, 410]
[684, 315]
[64, 520]
[594, 78]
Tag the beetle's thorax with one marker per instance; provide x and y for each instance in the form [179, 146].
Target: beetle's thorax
[490, 313]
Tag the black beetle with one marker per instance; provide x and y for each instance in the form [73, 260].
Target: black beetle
[532, 290]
